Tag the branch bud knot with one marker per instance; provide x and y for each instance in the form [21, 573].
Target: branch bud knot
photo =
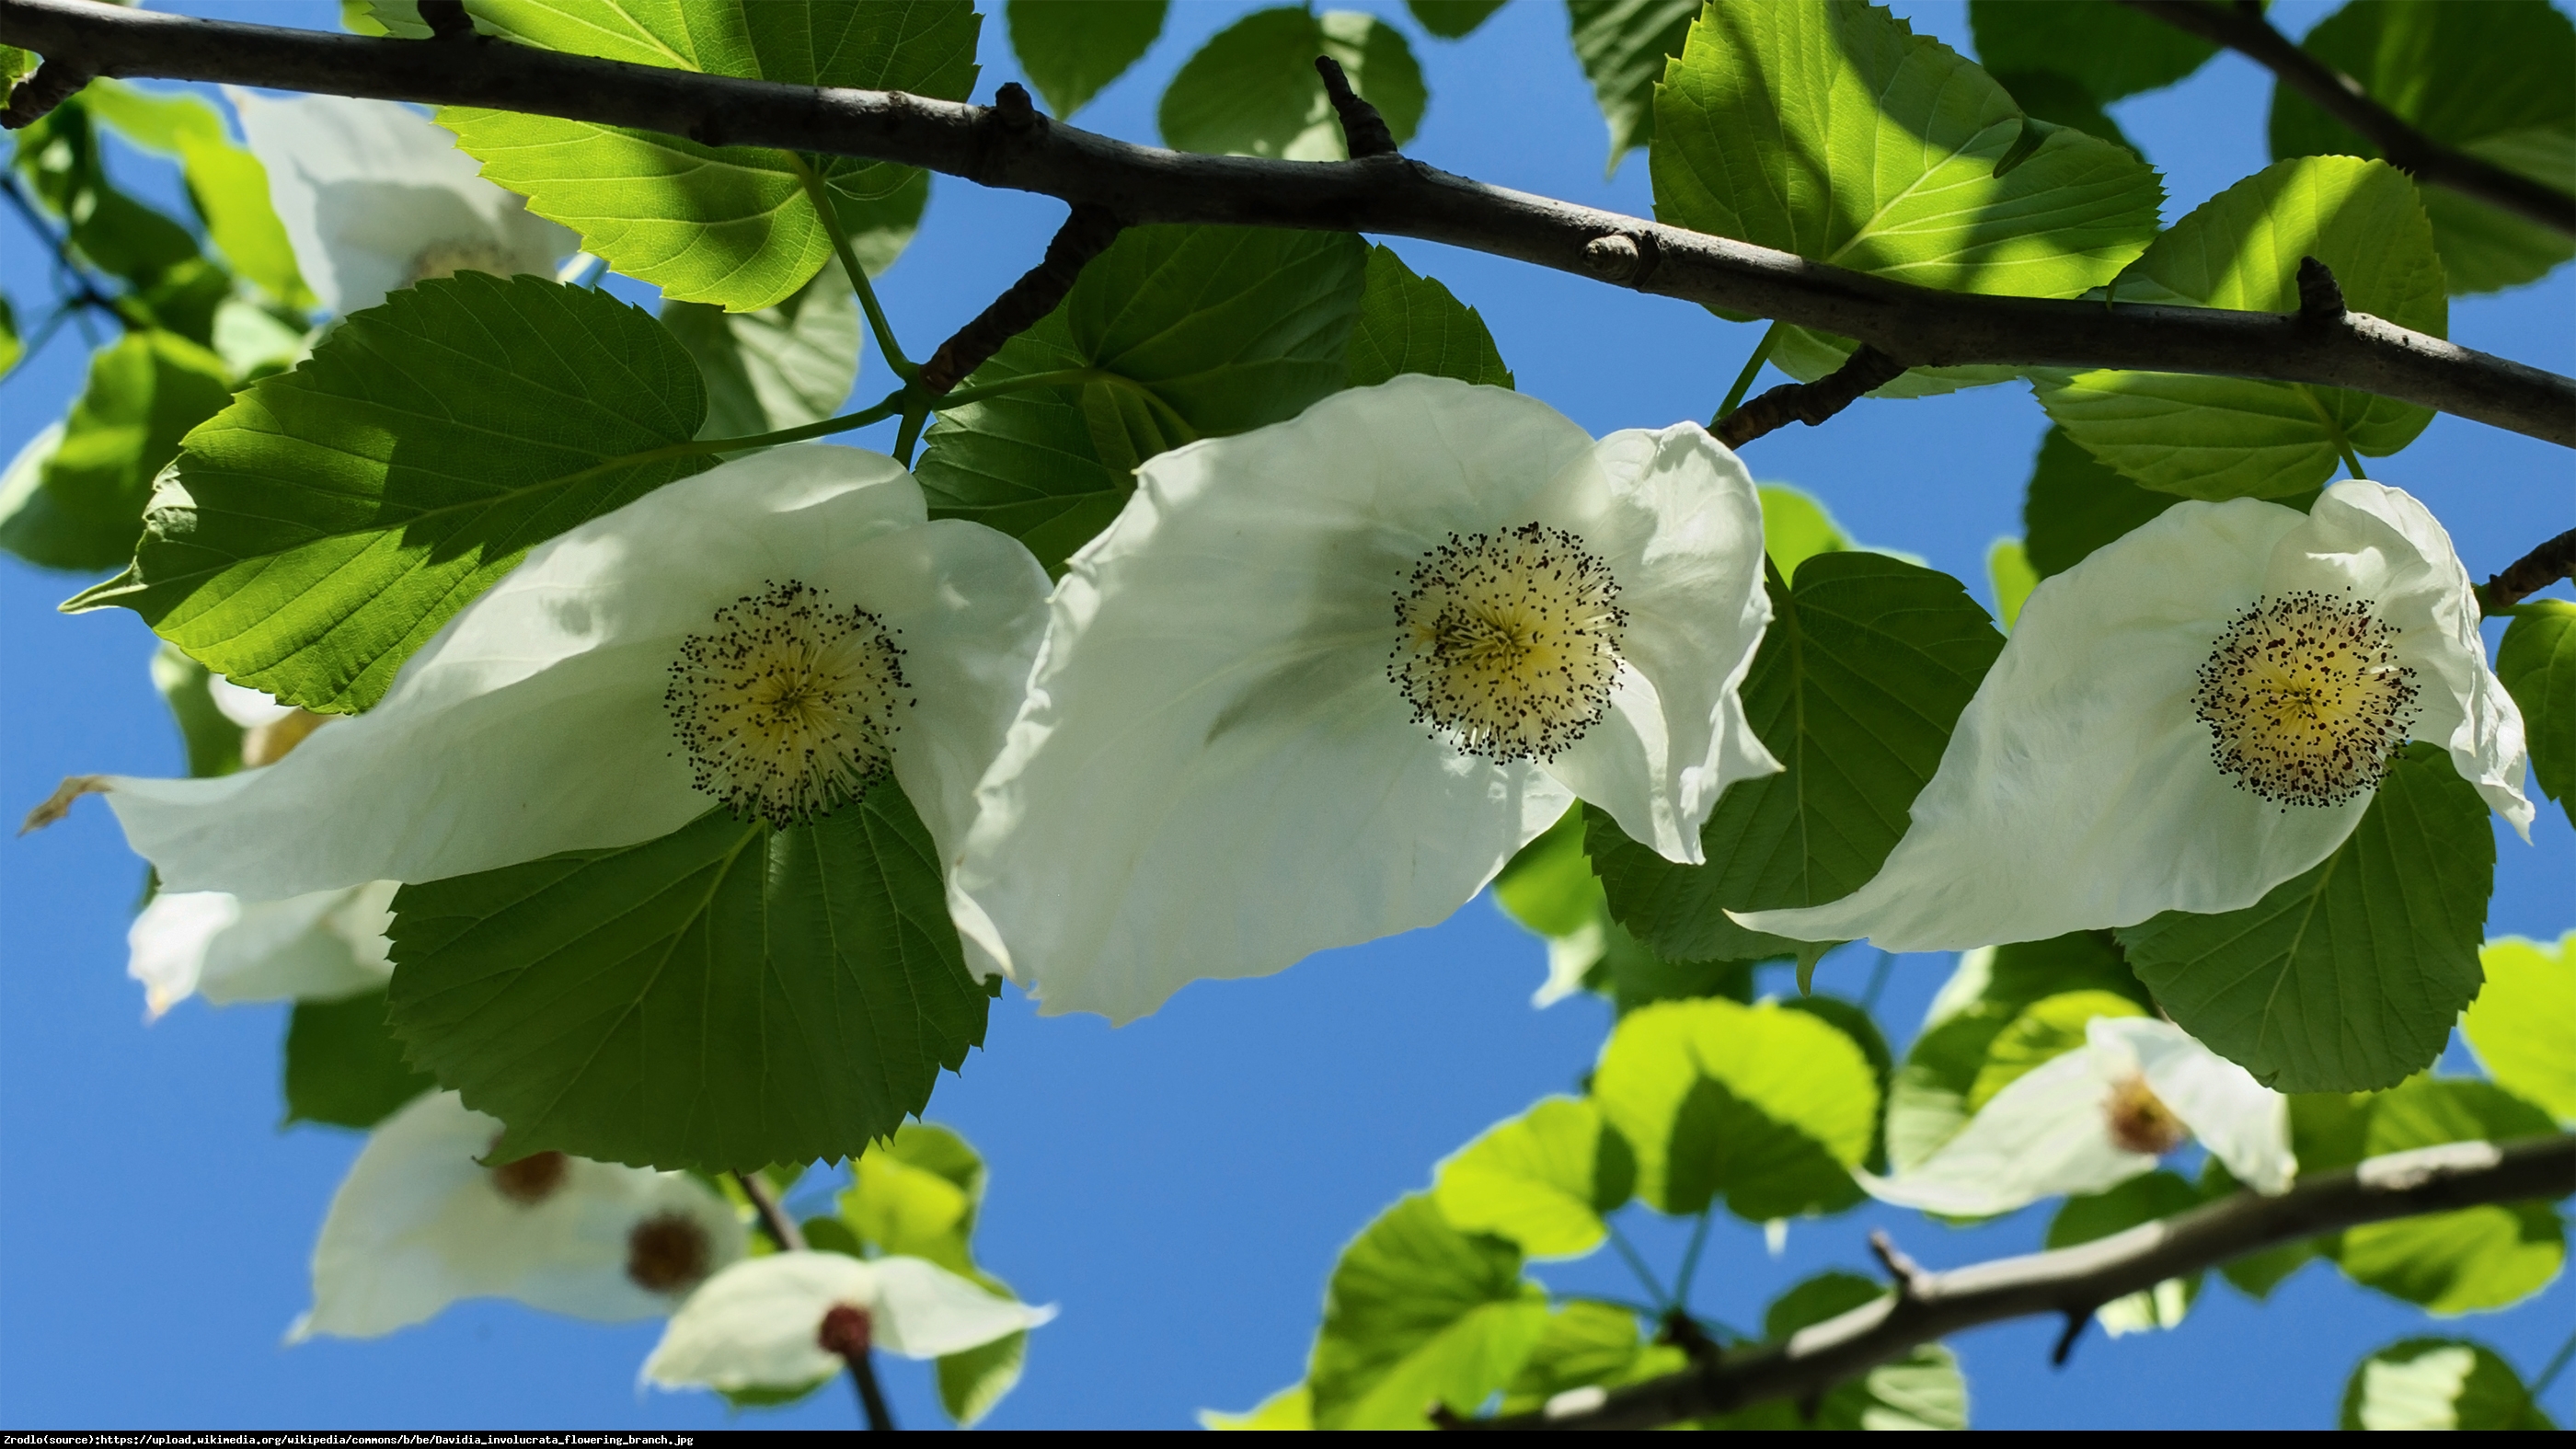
[2320, 296]
[1012, 106]
[1612, 257]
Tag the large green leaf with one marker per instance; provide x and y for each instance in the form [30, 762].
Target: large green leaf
[1770, 1106]
[2497, 80]
[1923, 1390]
[343, 1066]
[1543, 1179]
[780, 367]
[2438, 1383]
[322, 527]
[1183, 333]
[1252, 89]
[2348, 976]
[1410, 323]
[723, 997]
[1587, 1343]
[2537, 662]
[1864, 671]
[731, 225]
[2075, 505]
[2520, 1023]
[2228, 437]
[2109, 50]
[1452, 19]
[1070, 52]
[81, 506]
[1833, 131]
[1623, 46]
[1418, 1312]
[2472, 1258]
[228, 185]
[2146, 1198]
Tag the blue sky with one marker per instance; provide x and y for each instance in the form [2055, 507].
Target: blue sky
[1180, 1186]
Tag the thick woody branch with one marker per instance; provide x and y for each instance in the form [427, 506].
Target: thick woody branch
[2243, 29]
[2071, 1282]
[1809, 402]
[1389, 195]
[2531, 573]
[1085, 234]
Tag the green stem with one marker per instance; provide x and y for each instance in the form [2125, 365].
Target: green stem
[910, 433]
[902, 366]
[2334, 430]
[1061, 378]
[2351, 461]
[1637, 1265]
[1877, 979]
[884, 408]
[1690, 1261]
[1752, 369]
[2557, 1365]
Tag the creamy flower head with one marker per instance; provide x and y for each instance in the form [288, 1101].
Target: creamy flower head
[374, 196]
[2194, 714]
[759, 1324]
[420, 1222]
[2095, 1117]
[557, 711]
[315, 947]
[1319, 681]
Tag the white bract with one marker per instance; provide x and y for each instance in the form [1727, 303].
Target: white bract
[2194, 714]
[316, 947]
[772, 634]
[375, 196]
[2095, 1117]
[759, 1323]
[1317, 682]
[419, 1223]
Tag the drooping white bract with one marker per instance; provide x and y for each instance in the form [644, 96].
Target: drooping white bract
[759, 1323]
[581, 703]
[420, 1223]
[316, 947]
[2093, 1118]
[1317, 682]
[374, 196]
[2194, 714]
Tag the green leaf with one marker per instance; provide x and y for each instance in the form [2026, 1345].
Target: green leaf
[2519, 1023]
[2039, 1033]
[1072, 52]
[2024, 972]
[2227, 437]
[724, 997]
[343, 1066]
[1252, 89]
[11, 349]
[1543, 1179]
[2470, 1259]
[731, 225]
[1452, 19]
[1623, 46]
[2075, 505]
[1291, 1408]
[916, 1195]
[1409, 323]
[2347, 977]
[2438, 1383]
[1547, 885]
[1586, 1344]
[1927, 1100]
[327, 523]
[1186, 332]
[2497, 81]
[1849, 1019]
[1863, 673]
[59, 156]
[1770, 1106]
[972, 1381]
[1833, 131]
[2142, 1199]
[2008, 570]
[1418, 1311]
[2048, 95]
[2257, 1274]
[16, 65]
[81, 506]
[213, 742]
[780, 367]
[1923, 1390]
[1796, 526]
[230, 188]
[2109, 51]
[2537, 662]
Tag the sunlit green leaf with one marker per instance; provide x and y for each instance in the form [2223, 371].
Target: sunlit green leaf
[2472, 1258]
[227, 184]
[1252, 90]
[1623, 45]
[1587, 1344]
[2008, 570]
[343, 1066]
[1072, 52]
[1796, 526]
[1290, 1408]
[1923, 1390]
[1542, 1179]
[82, 506]
[1418, 1311]
[2519, 1025]
[780, 367]
[2537, 663]
[58, 154]
[2438, 1383]
[1410, 323]
[2040, 1033]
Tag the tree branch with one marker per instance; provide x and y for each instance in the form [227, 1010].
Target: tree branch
[1085, 234]
[1809, 402]
[2243, 29]
[1389, 195]
[2531, 573]
[2070, 1281]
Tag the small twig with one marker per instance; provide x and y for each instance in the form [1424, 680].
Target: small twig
[1085, 234]
[1808, 402]
[774, 1218]
[447, 19]
[2530, 573]
[1364, 131]
[52, 84]
[1907, 1273]
[2320, 295]
[2075, 1321]
[2244, 29]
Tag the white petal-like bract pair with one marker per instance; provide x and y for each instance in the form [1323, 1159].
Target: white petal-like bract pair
[758, 1324]
[420, 1223]
[2189, 717]
[314, 947]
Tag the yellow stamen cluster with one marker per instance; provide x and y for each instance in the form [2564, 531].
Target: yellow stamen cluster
[787, 707]
[2139, 1121]
[1508, 643]
[2305, 700]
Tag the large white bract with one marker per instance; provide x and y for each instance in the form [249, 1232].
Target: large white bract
[542, 717]
[375, 196]
[759, 1323]
[2194, 714]
[1318, 682]
[315, 947]
[420, 1223]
